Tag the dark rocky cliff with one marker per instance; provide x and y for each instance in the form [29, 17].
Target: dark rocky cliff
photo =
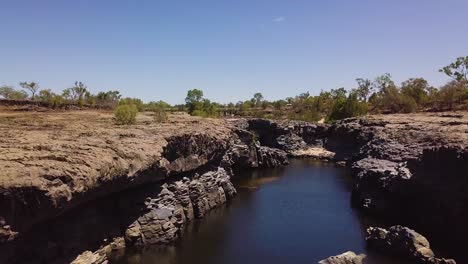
[146, 183]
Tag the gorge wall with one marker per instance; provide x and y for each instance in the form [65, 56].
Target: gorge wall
[134, 183]
[408, 169]
[64, 193]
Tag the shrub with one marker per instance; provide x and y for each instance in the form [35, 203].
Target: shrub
[349, 107]
[311, 116]
[126, 114]
[407, 104]
[453, 93]
[57, 101]
[160, 115]
[9, 92]
[132, 101]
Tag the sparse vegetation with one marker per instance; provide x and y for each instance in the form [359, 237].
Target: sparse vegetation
[125, 114]
[160, 115]
[380, 95]
[31, 87]
[197, 105]
[8, 92]
[159, 109]
[138, 103]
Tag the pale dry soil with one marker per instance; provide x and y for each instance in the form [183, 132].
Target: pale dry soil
[65, 152]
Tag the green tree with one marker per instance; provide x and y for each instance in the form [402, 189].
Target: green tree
[31, 87]
[364, 88]
[78, 92]
[453, 93]
[417, 89]
[257, 99]
[279, 104]
[457, 70]
[8, 92]
[67, 94]
[348, 107]
[338, 94]
[46, 96]
[194, 100]
[52, 99]
[109, 99]
[152, 106]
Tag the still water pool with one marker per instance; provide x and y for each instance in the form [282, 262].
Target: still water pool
[297, 214]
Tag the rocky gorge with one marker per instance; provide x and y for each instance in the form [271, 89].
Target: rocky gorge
[153, 179]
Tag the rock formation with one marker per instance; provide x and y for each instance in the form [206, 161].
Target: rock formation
[345, 258]
[410, 168]
[403, 242]
[100, 256]
[59, 163]
[165, 217]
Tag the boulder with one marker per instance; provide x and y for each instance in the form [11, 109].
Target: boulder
[100, 256]
[403, 242]
[348, 257]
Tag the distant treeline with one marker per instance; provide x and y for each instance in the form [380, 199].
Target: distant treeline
[379, 95]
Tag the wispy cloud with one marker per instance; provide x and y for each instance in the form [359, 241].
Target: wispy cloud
[279, 19]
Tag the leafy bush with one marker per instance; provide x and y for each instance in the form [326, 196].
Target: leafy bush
[348, 107]
[9, 92]
[132, 101]
[407, 104]
[454, 92]
[126, 114]
[417, 89]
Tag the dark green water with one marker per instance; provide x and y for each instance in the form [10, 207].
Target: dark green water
[297, 214]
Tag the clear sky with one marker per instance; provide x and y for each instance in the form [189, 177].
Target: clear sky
[230, 49]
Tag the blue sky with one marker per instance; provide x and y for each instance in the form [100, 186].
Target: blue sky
[230, 49]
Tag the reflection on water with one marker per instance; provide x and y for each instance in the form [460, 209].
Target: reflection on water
[297, 214]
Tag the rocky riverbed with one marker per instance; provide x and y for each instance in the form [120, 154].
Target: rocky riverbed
[411, 168]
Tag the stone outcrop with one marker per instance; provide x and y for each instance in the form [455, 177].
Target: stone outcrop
[295, 138]
[270, 157]
[376, 180]
[404, 165]
[412, 172]
[46, 173]
[101, 256]
[408, 168]
[403, 242]
[348, 257]
[165, 217]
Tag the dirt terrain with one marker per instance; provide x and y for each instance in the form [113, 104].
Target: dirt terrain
[37, 149]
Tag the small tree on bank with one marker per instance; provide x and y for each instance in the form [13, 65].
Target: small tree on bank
[31, 87]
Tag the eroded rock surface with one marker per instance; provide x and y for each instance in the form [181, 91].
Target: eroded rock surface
[410, 168]
[345, 258]
[165, 216]
[53, 162]
[405, 165]
[403, 242]
[100, 256]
